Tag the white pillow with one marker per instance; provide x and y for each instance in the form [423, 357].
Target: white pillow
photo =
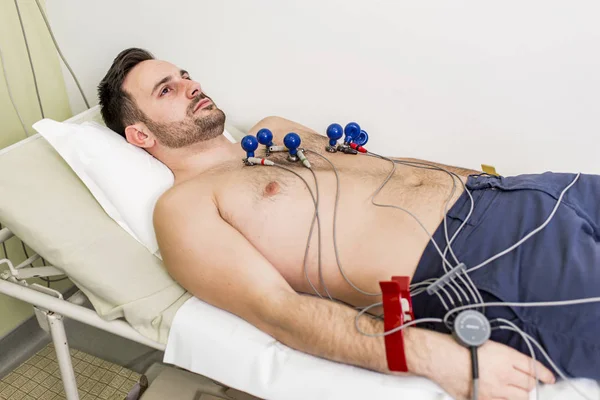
[124, 179]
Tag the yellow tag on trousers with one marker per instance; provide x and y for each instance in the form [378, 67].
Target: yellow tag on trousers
[489, 169]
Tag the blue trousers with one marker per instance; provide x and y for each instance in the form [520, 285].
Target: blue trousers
[560, 262]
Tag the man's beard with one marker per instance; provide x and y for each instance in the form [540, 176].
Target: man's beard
[191, 130]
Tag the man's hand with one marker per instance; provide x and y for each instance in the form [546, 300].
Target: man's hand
[504, 373]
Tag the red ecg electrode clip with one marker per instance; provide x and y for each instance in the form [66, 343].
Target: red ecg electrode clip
[358, 147]
[397, 310]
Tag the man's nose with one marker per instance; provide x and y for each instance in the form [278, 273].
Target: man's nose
[193, 89]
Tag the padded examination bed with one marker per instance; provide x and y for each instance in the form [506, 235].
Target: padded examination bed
[45, 204]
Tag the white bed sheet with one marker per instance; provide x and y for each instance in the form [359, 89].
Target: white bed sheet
[223, 347]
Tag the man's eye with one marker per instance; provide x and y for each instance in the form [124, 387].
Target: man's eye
[165, 91]
[189, 78]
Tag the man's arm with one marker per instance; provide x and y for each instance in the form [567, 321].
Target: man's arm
[217, 264]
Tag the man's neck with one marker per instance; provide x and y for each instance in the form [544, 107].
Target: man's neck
[190, 161]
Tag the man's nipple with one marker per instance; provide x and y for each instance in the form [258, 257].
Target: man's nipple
[271, 189]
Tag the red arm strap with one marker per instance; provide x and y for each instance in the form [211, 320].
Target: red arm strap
[392, 294]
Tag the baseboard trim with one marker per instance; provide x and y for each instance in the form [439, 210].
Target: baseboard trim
[20, 344]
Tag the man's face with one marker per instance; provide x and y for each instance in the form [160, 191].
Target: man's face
[173, 106]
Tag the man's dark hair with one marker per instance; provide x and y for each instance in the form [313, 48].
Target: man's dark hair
[118, 108]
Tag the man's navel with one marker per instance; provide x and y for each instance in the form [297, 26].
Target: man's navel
[271, 189]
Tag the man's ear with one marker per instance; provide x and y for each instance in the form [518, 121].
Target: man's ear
[137, 135]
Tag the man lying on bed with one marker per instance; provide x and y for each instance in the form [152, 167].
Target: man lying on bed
[235, 236]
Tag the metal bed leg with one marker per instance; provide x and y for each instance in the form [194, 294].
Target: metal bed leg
[59, 337]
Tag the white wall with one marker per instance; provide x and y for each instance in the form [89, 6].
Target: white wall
[514, 84]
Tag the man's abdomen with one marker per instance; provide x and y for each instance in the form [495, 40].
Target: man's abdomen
[373, 243]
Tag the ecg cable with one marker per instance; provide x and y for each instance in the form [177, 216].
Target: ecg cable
[417, 288]
[513, 327]
[453, 176]
[530, 234]
[449, 241]
[310, 233]
[525, 335]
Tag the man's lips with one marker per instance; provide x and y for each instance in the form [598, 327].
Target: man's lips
[202, 103]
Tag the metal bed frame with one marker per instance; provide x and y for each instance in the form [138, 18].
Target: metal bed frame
[50, 308]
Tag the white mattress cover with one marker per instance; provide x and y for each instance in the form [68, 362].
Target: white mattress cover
[223, 347]
[219, 345]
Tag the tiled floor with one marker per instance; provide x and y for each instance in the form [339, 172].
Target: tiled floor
[39, 378]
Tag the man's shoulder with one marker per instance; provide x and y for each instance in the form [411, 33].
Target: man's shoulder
[280, 126]
[184, 200]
